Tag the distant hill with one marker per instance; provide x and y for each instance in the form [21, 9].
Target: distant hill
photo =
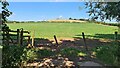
[71, 21]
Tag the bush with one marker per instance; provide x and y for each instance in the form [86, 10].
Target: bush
[32, 54]
[107, 54]
[11, 55]
[29, 55]
[15, 55]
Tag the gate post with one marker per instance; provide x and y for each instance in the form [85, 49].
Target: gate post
[21, 37]
[7, 35]
[116, 36]
[32, 41]
[18, 36]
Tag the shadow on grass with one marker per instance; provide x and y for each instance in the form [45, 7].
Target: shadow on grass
[76, 42]
[103, 36]
[106, 36]
[91, 43]
[42, 42]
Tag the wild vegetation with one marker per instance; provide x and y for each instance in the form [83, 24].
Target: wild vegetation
[95, 31]
[106, 52]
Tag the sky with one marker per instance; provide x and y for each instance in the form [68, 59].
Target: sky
[62, 0]
[37, 10]
[46, 10]
[44, 0]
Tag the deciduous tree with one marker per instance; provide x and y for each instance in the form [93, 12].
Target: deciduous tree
[104, 10]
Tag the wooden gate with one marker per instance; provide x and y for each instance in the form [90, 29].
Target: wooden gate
[11, 37]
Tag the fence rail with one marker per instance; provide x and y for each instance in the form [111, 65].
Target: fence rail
[19, 34]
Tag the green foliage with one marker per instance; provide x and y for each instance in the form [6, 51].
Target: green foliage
[111, 24]
[32, 54]
[11, 55]
[5, 11]
[71, 52]
[107, 54]
[104, 10]
[29, 55]
[15, 55]
[82, 54]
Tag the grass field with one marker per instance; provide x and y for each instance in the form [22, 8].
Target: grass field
[64, 30]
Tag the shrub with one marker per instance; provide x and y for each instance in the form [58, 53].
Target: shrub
[15, 55]
[11, 55]
[29, 55]
[32, 54]
[107, 54]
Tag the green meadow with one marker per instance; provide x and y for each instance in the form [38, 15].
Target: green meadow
[65, 30]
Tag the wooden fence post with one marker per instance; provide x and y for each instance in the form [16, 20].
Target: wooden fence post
[84, 41]
[33, 38]
[116, 36]
[21, 37]
[28, 40]
[18, 37]
[7, 35]
[56, 40]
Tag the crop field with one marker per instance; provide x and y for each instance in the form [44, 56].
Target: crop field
[66, 30]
